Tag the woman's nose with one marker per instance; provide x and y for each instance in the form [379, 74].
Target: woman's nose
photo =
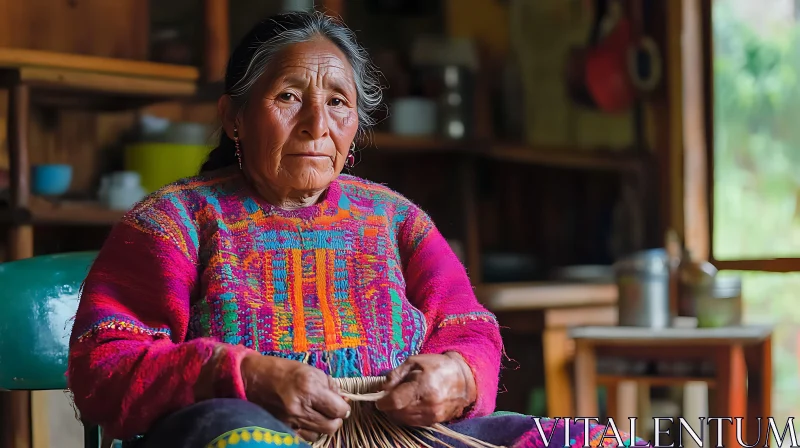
[314, 123]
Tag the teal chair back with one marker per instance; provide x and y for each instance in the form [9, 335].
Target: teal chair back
[38, 298]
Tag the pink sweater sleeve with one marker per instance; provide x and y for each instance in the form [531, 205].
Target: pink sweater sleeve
[129, 363]
[438, 285]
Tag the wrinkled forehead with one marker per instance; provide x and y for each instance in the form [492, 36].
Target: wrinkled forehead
[318, 61]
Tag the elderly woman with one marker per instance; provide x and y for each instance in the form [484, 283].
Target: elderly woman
[221, 309]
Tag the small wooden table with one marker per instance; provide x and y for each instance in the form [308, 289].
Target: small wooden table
[549, 310]
[742, 356]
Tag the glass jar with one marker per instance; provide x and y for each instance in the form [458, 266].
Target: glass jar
[723, 306]
[695, 282]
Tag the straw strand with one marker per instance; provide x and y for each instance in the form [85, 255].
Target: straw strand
[368, 427]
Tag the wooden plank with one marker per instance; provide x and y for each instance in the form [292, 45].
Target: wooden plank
[652, 380]
[557, 381]
[731, 395]
[17, 58]
[334, 8]
[116, 29]
[217, 39]
[18, 153]
[40, 419]
[91, 82]
[528, 296]
[697, 144]
[43, 212]
[672, 336]
[15, 429]
[392, 142]
[568, 157]
[759, 383]
[770, 265]
[588, 315]
[585, 381]
[469, 204]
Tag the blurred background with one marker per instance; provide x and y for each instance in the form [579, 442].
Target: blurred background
[548, 139]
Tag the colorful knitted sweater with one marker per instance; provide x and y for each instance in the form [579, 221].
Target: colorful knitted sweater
[352, 285]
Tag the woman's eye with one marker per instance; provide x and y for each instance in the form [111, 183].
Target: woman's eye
[336, 102]
[287, 97]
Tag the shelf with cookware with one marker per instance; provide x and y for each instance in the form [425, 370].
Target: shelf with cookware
[90, 212]
[46, 81]
[601, 159]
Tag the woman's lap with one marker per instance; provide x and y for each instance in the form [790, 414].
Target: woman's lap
[225, 423]
[220, 423]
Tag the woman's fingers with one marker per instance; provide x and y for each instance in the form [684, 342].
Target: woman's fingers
[397, 375]
[316, 422]
[412, 417]
[330, 404]
[403, 396]
[308, 436]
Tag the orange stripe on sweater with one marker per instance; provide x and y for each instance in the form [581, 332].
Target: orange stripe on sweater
[323, 291]
[298, 310]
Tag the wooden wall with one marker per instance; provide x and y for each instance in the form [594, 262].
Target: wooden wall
[115, 28]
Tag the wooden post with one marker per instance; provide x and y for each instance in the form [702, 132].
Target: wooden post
[469, 204]
[217, 40]
[557, 384]
[333, 7]
[18, 118]
[731, 394]
[16, 423]
[696, 140]
[585, 380]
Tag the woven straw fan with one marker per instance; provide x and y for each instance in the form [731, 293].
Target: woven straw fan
[368, 427]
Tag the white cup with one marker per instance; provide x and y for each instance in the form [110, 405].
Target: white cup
[413, 116]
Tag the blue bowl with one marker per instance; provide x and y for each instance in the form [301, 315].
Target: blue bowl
[51, 179]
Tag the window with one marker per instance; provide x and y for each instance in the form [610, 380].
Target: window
[755, 178]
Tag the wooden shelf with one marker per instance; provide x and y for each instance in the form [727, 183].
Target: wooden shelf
[568, 157]
[87, 213]
[505, 297]
[67, 80]
[42, 211]
[653, 380]
[596, 159]
[398, 143]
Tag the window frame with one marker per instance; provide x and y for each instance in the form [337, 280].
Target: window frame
[698, 164]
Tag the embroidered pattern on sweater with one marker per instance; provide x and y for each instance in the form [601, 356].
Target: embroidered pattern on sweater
[116, 323]
[464, 318]
[327, 289]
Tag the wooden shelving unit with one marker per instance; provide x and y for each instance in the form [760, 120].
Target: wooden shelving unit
[56, 80]
[598, 159]
[76, 81]
[44, 211]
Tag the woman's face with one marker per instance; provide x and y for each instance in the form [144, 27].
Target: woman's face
[296, 130]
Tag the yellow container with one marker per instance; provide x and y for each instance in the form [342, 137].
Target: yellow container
[160, 164]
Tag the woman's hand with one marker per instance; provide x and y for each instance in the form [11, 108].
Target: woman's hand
[303, 397]
[428, 389]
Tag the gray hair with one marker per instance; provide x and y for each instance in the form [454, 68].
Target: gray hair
[307, 26]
